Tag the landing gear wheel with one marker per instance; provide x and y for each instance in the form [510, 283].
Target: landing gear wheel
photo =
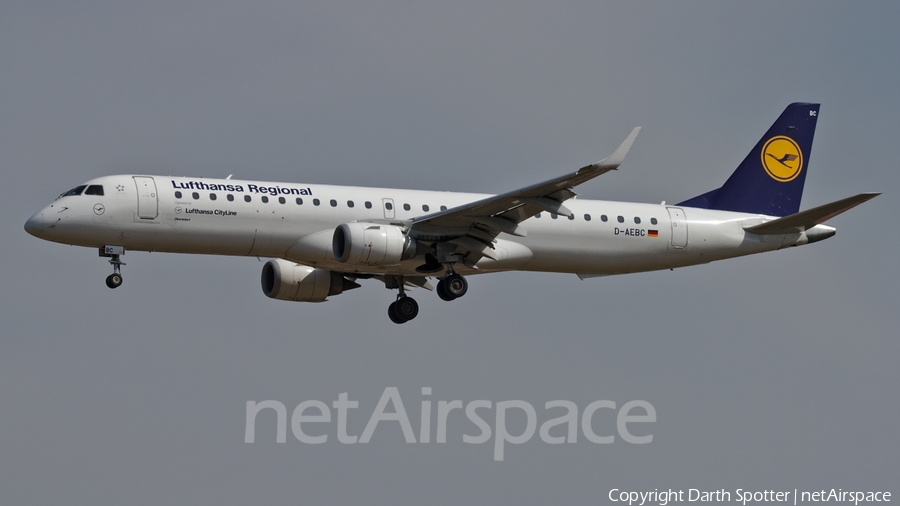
[442, 291]
[114, 280]
[403, 310]
[456, 285]
[392, 314]
[406, 308]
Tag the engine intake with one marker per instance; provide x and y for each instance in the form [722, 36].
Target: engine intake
[284, 280]
[372, 244]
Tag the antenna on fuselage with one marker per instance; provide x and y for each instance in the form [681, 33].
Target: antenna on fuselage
[229, 176]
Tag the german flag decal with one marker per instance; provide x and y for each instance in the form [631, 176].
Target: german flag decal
[652, 233]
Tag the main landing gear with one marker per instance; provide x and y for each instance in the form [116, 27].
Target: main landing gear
[452, 287]
[114, 280]
[403, 309]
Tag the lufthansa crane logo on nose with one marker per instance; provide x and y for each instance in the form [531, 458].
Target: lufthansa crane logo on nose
[782, 158]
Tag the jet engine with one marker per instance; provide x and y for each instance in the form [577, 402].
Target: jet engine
[286, 280]
[372, 244]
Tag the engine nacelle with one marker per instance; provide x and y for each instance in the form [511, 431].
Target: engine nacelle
[372, 244]
[286, 280]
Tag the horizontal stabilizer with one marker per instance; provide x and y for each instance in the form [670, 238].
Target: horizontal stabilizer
[805, 220]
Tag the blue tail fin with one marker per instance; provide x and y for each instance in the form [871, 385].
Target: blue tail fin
[770, 180]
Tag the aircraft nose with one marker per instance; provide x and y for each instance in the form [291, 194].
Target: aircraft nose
[35, 224]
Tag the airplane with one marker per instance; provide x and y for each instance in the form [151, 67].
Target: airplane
[323, 239]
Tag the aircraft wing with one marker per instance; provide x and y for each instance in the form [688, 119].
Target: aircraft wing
[805, 220]
[473, 226]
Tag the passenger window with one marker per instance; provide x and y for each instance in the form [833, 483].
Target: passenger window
[94, 189]
[553, 215]
[264, 199]
[247, 198]
[621, 219]
[196, 196]
[587, 217]
[368, 205]
[299, 201]
[316, 202]
[177, 195]
[571, 217]
[653, 221]
[230, 197]
[212, 196]
[388, 206]
[406, 207]
[603, 218]
[350, 203]
[333, 203]
[443, 208]
[538, 215]
[637, 221]
[425, 207]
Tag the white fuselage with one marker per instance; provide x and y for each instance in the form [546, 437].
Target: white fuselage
[297, 222]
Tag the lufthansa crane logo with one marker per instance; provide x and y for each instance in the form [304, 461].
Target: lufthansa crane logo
[782, 158]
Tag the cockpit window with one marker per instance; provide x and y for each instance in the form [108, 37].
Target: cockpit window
[94, 189]
[74, 191]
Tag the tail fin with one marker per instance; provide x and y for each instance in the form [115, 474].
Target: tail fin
[770, 180]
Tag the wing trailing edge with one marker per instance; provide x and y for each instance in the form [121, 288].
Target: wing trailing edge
[473, 227]
[519, 205]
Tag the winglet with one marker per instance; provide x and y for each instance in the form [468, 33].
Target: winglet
[613, 161]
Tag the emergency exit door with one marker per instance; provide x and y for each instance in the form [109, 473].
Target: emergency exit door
[679, 227]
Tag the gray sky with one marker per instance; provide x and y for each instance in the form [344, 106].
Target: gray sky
[768, 372]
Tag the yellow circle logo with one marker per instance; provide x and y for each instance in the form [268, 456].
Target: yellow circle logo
[782, 159]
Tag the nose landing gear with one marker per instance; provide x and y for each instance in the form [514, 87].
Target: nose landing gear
[114, 280]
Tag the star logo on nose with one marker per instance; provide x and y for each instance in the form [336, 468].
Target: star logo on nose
[120, 188]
